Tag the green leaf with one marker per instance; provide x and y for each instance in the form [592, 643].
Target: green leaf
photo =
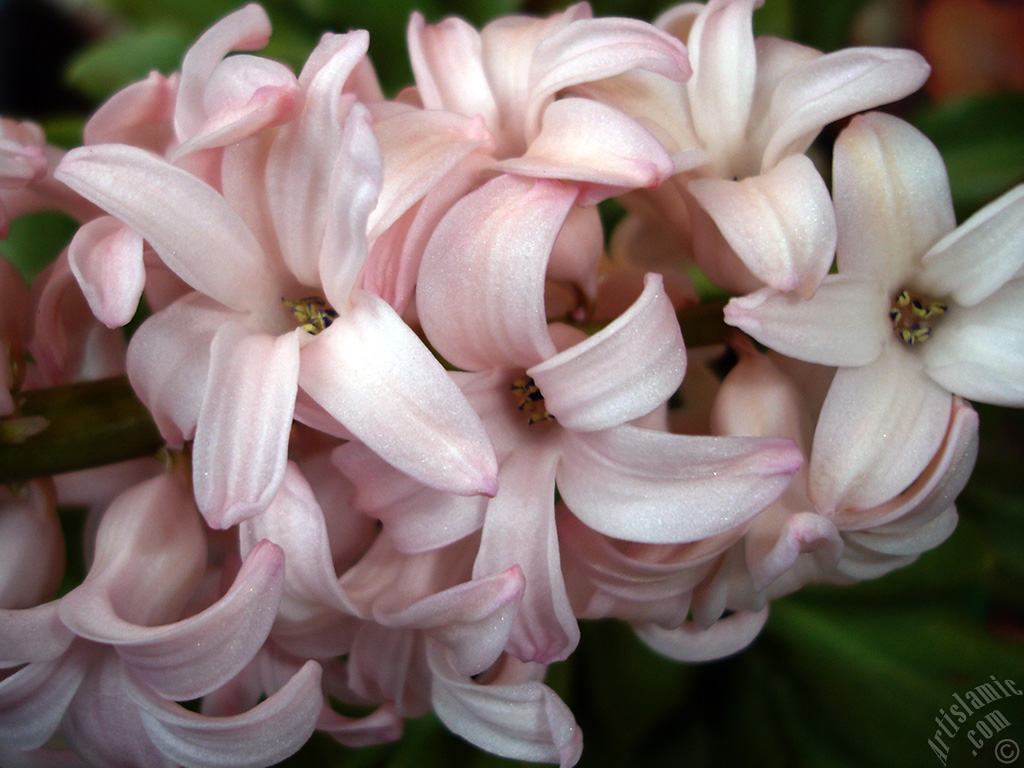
[36, 239]
[111, 64]
[982, 144]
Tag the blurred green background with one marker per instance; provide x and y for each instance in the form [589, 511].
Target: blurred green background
[840, 677]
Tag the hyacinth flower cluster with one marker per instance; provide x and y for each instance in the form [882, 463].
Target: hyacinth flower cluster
[421, 413]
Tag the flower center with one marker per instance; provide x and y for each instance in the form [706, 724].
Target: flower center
[914, 315]
[312, 313]
[527, 397]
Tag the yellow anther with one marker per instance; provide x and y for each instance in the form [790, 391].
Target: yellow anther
[312, 313]
[529, 399]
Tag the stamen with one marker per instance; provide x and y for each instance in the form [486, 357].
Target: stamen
[528, 398]
[313, 313]
[913, 316]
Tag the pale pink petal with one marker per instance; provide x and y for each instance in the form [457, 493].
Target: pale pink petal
[879, 427]
[205, 242]
[31, 545]
[845, 323]
[102, 723]
[416, 518]
[243, 95]
[594, 49]
[892, 198]
[381, 726]
[245, 29]
[585, 141]
[106, 259]
[168, 362]
[473, 619]
[521, 720]
[780, 223]
[869, 555]
[33, 699]
[978, 352]
[480, 295]
[836, 85]
[622, 372]
[935, 489]
[419, 148]
[448, 67]
[802, 533]
[139, 114]
[150, 554]
[649, 486]
[693, 643]
[373, 374]
[271, 731]
[295, 522]
[355, 184]
[385, 665]
[520, 530]
[196, 655]
[392, 269]
[306, 157]
[724, 64]
[32, 634]
[244, 423]
[981, 255]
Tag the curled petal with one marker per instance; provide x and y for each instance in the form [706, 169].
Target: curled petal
[169, 360]
[196, 655]
[780, 223]
[31, 545]
[244, 95]
[33, 699]
[481, 290]
[521, 720]
[419, 148]
[269, 732]
[447, 62]
[845, 323]
[473, 619]
[244, 423]
[311, 155]
[372, 373]
[416, 518]
[804, 532]
[586, 141]
[594, 49]
[32, 634]
[205, 242]
[620, 373]
[295, 522]
[649, 486]
[520, 530]
[694, 643]
[139, 114]
[828, 88]
[724, 65]
[245, 29]
[106, 258]
[381, 726]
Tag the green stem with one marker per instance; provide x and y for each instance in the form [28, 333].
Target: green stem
[90, 424]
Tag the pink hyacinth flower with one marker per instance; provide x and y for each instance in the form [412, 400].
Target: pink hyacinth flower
[919, 311]
[280, 247]
[559, 416]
